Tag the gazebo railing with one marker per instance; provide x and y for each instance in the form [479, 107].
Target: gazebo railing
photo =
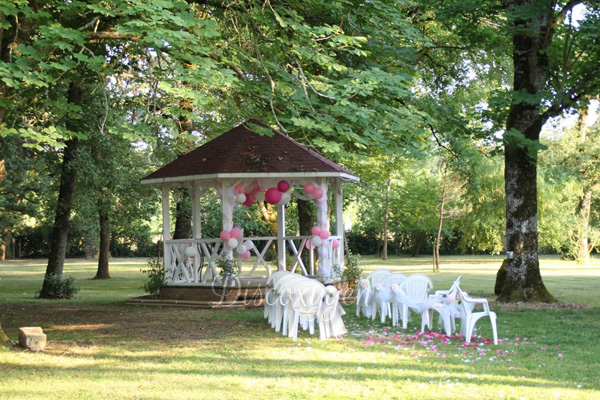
[199, 264]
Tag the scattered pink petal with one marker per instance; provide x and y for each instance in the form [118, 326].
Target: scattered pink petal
[560, 355]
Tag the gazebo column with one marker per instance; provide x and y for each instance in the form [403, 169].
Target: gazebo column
[339, 218]
[281, 252]
[323, 223]
[196, 225]
[196, 222]
[166, 216]
[227, 211]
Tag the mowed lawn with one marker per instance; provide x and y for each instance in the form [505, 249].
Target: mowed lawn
[100, 348]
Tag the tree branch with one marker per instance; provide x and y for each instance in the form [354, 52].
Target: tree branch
[98, 36]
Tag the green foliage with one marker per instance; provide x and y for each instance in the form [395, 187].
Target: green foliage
[226, 267]
[352, 272]
[156, 277]
[61, 288]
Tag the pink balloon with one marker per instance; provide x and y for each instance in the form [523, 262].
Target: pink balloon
[246, 255]
[236, 233]
[273, 196]
[317, 193]
[238, 189]
[335, 243]
[225, 235]
[308, 244]
[283, 186]
[315, 230]
[250, 199]
[308, 188]
[324, 234]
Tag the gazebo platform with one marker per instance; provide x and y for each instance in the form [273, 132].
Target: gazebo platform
[246, 292]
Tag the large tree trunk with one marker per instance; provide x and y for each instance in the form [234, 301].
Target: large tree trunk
[306, 220]
[60, 231]
[523, 126]
[584, 208]
[183, 216]
[104, 256]
[3, 243]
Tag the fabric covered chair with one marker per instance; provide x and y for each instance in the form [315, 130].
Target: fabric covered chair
[306, 300]
[331, 323]
[269, 292]
[363, 298]
[376, 277]
[469, 316]
[444, 302]
[281, 290]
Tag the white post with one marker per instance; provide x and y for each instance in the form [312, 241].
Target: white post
[339, 218]
[197, 225]
[196, 210]
[281, 236]
[166, 215]
[325, 265]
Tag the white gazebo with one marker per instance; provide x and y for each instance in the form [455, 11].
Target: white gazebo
[244, 166]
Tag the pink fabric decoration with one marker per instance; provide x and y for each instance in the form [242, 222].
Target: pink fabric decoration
[324, 234]
[273, 196]
[309, 188]
[283, 186]
[225, 235]
[315, 230]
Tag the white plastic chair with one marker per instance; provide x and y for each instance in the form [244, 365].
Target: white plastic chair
[306, 300]
[376, 277]
[469, 317]
[414, 292]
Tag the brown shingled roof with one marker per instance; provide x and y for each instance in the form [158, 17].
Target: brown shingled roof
[243, 151]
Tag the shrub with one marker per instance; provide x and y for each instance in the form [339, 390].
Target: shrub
[59, 288]
[156, 277]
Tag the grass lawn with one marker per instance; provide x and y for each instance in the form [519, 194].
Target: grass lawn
[99, 348]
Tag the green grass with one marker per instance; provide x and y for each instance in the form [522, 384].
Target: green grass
[99, 348]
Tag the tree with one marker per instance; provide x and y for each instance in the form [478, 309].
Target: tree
[547, 48]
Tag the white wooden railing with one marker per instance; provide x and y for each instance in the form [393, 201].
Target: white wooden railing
[201, 267]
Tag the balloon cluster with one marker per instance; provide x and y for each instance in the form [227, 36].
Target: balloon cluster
[319, 236]
[233, 239]
[314, 191]
[279, 194]
[273, 195]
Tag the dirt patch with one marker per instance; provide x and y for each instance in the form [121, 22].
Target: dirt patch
[538, 306]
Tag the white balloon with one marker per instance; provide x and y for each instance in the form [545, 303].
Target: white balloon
[240, 198]
[249, 245]
[241, 249]
[233, 243]
[316, 241]
[190, 251]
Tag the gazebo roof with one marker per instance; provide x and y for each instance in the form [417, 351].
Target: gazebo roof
[243, 153]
